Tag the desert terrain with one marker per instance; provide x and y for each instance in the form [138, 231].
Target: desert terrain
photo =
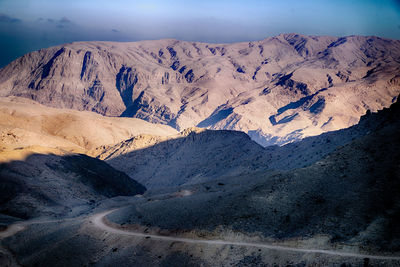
[281, 152]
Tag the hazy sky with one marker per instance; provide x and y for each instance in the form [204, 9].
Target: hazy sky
[27, 25]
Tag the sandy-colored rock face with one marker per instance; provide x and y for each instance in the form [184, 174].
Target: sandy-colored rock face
[27, 124]
[277, 90]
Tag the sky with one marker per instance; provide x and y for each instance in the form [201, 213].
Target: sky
[28, 25]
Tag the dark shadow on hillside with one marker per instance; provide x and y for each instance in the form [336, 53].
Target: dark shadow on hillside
[316, 108]
[51, 184]
[215, 117]
[190, 159]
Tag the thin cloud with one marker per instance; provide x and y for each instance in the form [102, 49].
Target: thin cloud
[65, 20]
[8, 19]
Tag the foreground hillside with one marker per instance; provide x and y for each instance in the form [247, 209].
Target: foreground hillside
[277, 90]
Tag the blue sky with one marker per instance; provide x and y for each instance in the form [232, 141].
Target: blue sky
[27, 25]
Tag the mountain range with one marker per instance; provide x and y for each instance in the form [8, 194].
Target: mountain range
[277, 90]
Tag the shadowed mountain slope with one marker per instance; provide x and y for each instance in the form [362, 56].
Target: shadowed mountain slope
[50, 184]
[193, 156]
[278, 90]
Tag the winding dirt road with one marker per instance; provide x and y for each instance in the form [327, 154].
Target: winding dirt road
[98, 220]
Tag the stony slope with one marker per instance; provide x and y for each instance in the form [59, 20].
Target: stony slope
[279, 89]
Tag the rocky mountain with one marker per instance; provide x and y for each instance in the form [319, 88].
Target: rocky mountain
[277, 90]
